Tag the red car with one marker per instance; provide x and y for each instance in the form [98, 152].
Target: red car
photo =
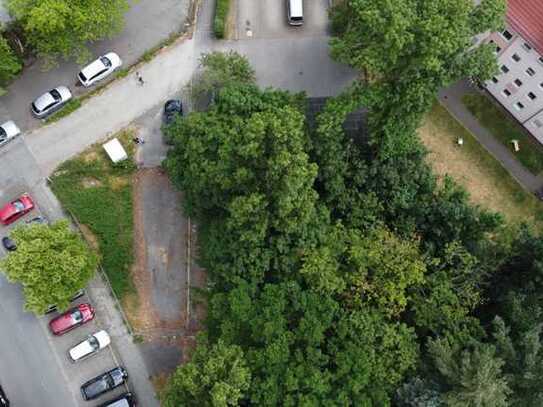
[71, 319]
[15, 209]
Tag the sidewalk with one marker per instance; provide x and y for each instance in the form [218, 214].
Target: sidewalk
[451, 99]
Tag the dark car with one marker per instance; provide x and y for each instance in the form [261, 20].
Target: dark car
[41, 220]
[172, 109]
[103, 383]
[9, 243]
[124, 400]
[77, 295]
[71, 319]
[4, 402]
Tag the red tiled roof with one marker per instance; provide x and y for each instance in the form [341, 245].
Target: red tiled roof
[526, 18]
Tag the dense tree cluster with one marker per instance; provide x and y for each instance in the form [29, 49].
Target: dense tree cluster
[342, 272]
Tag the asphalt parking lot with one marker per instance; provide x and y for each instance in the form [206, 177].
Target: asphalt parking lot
[268, 19]
[30, 353]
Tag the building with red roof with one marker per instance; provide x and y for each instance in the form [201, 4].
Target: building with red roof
[519, 86]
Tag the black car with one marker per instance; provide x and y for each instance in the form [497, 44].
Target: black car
[4, 402]
[77, 295]
[172, 109]
[125, 400]
[103, 383]
[9, 243]
[42, 220]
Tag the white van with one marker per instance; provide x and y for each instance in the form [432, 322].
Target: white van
[295, 12]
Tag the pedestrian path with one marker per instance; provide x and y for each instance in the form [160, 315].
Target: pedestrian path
[451, 99]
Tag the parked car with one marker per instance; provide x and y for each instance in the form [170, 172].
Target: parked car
[172, 109]
[103, 383]
[124, 400]
[51, 101]
[77, 295]
[42, 220]
[9, 243]
[90, 346]
[4, 402]
[8, 131]
[99, 69]
[15, 209]
[71, 319]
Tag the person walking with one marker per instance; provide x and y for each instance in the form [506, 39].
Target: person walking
[139, 78]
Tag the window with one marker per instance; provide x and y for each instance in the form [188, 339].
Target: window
[541, 85]
[497, 49]
[507, 35]
[515, 57]
[527, 46]
[538, 123]
[530, 72]
[504, 68]
[531, 95]
[494, 79]
[506, 93]
[519, 106]
[517, 82]
[540, 59]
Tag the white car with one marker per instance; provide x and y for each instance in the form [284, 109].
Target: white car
[51, 101]
[8, 131]
[99, 69]
[90, 346]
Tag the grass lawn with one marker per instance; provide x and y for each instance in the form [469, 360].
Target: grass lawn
[488, 183]
[505, 130]
[99, 194]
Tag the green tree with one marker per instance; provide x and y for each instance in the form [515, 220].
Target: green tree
[220, 69]
[63, 28]
[380, 268]
[216, 376]
[10, 64]
[51, 263]
[410, 39]
[472, 377]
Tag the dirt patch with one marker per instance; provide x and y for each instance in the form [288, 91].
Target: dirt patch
[160, 381]
[89, 237]
[90, 182]
[91, 156]
[118, 183]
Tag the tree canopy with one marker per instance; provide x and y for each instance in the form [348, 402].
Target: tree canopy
[63, 28]
[10, 64]
[51, 262]
[342, 271]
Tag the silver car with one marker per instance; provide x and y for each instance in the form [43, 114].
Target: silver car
[99, 69]
[8, 131]
[51, 101]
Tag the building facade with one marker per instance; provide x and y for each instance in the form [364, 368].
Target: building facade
[519, 48]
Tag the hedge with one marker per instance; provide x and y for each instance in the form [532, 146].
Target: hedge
[221, 14]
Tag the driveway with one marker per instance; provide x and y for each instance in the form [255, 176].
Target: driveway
[147, 23]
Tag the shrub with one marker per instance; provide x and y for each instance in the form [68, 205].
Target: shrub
[221, 14]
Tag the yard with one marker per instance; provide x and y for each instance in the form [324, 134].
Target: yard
[505, 129]
[488, 183]
[99, 194]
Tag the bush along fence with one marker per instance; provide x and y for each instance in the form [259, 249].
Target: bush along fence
[221, 15]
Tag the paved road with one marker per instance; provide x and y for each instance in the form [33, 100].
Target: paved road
[148, 22]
